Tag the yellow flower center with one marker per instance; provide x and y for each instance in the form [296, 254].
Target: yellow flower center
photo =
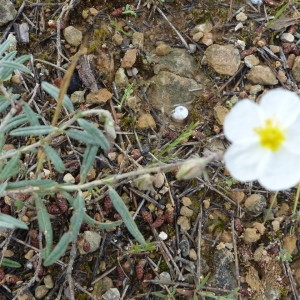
[271, 135]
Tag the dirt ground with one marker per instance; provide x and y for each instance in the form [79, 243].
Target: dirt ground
[209, 238]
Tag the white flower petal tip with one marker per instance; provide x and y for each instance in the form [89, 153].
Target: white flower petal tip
[265, 140]
[179, 114]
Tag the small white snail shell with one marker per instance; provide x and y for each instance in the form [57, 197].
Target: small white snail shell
[179, 114]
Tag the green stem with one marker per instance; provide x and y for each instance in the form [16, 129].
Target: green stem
[270, 207]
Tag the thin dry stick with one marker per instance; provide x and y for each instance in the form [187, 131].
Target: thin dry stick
[236, 259]
[199, 238]
[173, 27]
[69, 270]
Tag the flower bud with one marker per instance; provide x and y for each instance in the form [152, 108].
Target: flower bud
[192, 168]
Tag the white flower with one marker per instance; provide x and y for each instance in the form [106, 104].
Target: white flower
[265, 140]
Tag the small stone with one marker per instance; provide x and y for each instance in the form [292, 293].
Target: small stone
[41, 291]
[121, 79]
[146, 121]
[283, 210]
[241, 17]
[29, 254]
[206, 203]
[159, 180]
[296, 69]
[102, 96]
[287, 37]
[255, 204]
[93, 11]
[69, 178]
[48, 281]
[261, 254]
[276, 225]
[133, 102]
[220, 112]
[185, 211]
[204, 27]
[138, 40]
[16, 79]
[163, 236]
[184, 223]
[112, 156]
[281, 75]
[237, 195]
[251, 235]
[193, 254]
[207, 39]
[255, 89]
[7, 12]
[224, 60]
[129, 58]
[73, 36]
[77, 97]
[91, 174]
[197, 36]
[275, 49]
[251, 61]
[260, 227]
[290, 244]
[262, 75]
[163, 49]
[112, 294]
[117, 39]
[186, 201]
[92, 238]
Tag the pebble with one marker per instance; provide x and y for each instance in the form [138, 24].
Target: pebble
[193, 254]
[138, 40]
[241, 17]
[224, 60]
[251, 235]
[112, 294]
[129, 58]
[163, 236]
[117, 39]
[262, 75]
[102, 96]
[255, 89]
[296, 69]
[73, 36]
[179, 114]
[290, 244]
[220, 112]
[287, 37]
[69, 178]
[204, 27]
[163, 49]
[251, 61]
[48, 281]
[186, 201]
[77, 97]
[41, 291]
[197, 36]
[275, 49]
[185, 211]
[121, 78]
[260, 227]
[237, 195]
[255, 204]
[184, 223]
[207, 39]
[93, 238]
[7, 12]
[146, 121]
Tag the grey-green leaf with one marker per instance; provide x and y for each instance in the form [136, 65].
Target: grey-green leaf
[55, 158]
[10, 222]
[11, 168]
[54, 92]
[44, 223]
[59, 249]
[33, 130]
[32, 117]
[122, 209]
[94, 132]
[16, 121]
[45, 183]
[88, 160]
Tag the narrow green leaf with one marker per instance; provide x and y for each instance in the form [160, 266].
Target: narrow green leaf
[4, 104]
[11, 168]
[99, 225]
[2, 140]
[54, 91]
[122, 209]
[4, 46]
[6, 262]
[59, 249]
[94, 132]
[32, 117]
[76, 220]
[10, 66]
[45, 183]
[16, 121]
[44, 223]
[55, 158]
[88, 160]
[84, 137]
[11, 222]
[33, 130]
[2, 188]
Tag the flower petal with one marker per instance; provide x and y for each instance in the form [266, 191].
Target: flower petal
[292, 142]
[281, 171]
[245, 161]
[241, 120]
[282, 105]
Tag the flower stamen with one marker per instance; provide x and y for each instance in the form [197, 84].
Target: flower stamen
[271, 135]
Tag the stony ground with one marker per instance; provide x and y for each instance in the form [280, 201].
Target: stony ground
[143, 59]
